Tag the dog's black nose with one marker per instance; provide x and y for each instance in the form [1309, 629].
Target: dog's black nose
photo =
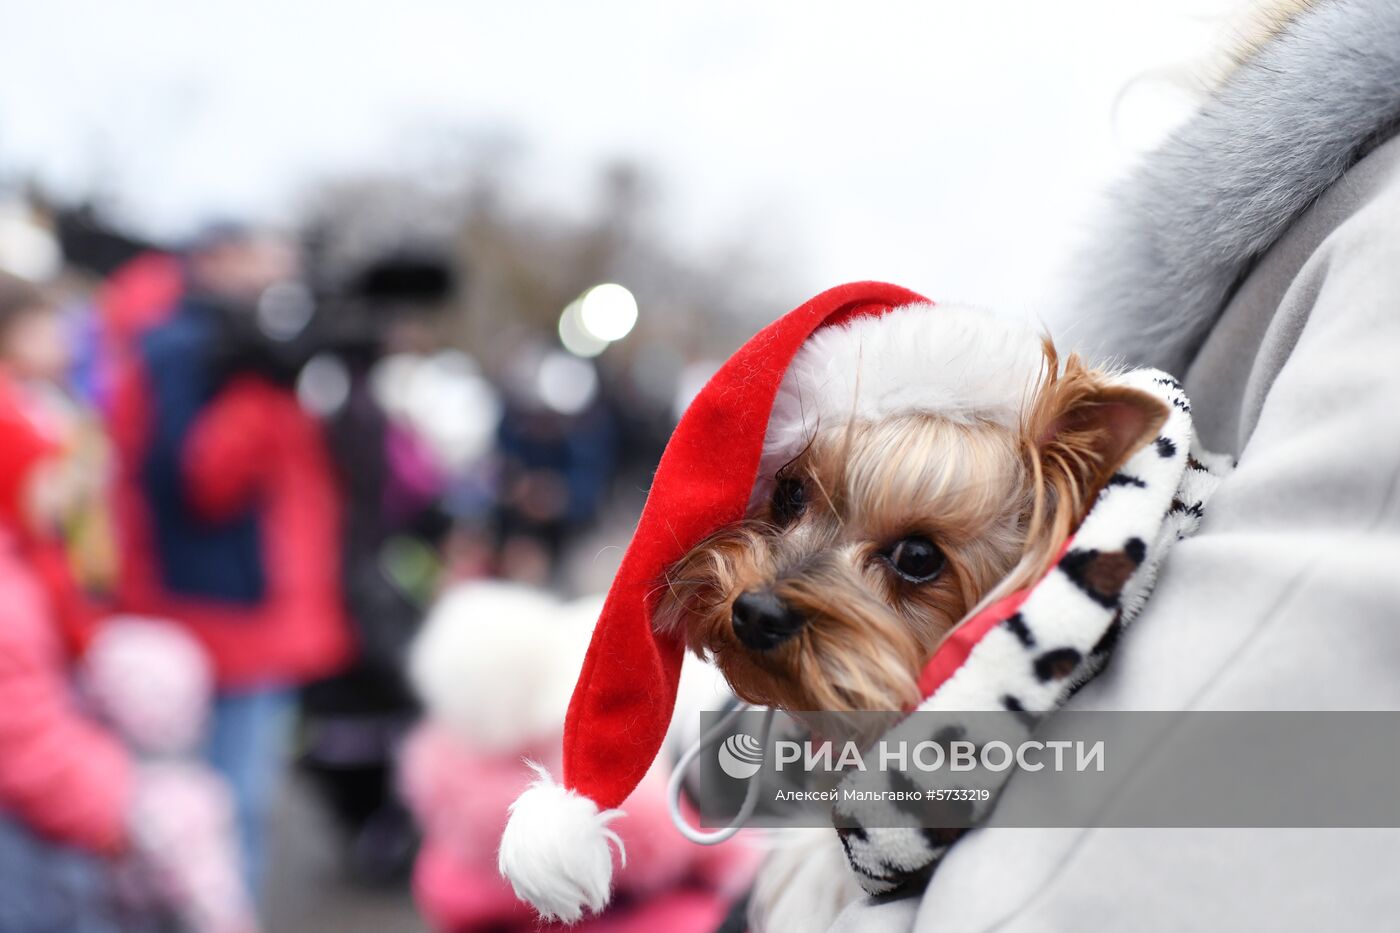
[761, 620]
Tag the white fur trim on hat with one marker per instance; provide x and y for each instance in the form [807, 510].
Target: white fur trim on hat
[962, 363]
[555, 851]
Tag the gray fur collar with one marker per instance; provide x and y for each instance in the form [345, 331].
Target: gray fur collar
[1191, 219]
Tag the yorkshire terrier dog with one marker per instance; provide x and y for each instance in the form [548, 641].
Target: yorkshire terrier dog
[880, 520]
[915, 466]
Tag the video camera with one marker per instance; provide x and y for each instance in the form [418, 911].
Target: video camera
[290, 322]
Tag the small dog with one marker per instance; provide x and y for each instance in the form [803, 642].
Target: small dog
[917, 467]
[865, 548]
[874, 481]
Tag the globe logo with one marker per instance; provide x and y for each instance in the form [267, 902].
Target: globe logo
[740, 756]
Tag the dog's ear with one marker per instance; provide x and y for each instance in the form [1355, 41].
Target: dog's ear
[1085, 428]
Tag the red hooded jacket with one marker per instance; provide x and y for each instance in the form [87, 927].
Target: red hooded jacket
[251, 447]
[252, 444]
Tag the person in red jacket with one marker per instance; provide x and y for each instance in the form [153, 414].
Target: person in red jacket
[227, 502]
[86, 823]
[66, 783]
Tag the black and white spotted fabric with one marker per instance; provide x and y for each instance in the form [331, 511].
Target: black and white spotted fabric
[1030, 662]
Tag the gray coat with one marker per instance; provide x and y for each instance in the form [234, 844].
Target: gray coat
[1257, 254]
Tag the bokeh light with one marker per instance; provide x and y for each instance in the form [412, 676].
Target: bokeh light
[575, 338]
[323, 385]
[566, 383]
[608, 311]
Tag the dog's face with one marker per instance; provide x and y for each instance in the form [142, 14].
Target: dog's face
[873, 543]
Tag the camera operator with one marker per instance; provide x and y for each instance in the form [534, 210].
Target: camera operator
[391, 490]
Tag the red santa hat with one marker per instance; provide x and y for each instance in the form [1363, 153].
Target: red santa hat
[842, 355]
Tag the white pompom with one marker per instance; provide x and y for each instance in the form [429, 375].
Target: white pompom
[555, 851]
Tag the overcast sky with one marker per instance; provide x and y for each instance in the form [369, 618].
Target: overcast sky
[953, 147]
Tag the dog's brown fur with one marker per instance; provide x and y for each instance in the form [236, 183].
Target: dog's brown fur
[998, 502]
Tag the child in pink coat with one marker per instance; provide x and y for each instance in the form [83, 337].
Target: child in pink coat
[494, 666]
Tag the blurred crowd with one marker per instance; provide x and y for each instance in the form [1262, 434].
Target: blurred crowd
[234, 481]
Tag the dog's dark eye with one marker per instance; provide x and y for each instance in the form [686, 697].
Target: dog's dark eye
[917, 560]
[789, 500]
